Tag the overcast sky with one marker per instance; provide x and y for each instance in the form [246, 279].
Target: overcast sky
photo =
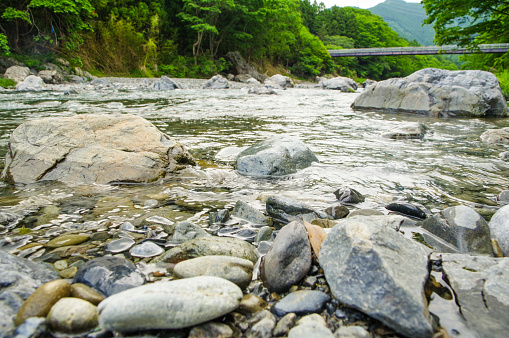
[356, 3]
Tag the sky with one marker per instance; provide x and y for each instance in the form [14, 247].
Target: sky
[356, 3]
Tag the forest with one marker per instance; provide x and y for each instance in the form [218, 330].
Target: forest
[190, 38]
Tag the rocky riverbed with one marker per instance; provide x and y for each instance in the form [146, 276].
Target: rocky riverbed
[345, 224]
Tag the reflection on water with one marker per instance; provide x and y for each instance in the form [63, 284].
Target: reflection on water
[449, 166]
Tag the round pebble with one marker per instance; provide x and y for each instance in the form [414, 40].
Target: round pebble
[72, 315]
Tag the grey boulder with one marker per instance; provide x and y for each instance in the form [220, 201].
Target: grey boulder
[276, 156]
[279, 81]
[51, 76]
[91, 148]
[380, 272]
[217, 82]
[165, 83]
[437, 92]
[343, 84]
[499, 228]
[31, 84]
[17, 73]
[169, 305]
[410, 130]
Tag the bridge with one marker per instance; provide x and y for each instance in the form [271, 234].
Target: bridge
[420, 50]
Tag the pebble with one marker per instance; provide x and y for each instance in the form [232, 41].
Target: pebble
[60, 264]
[33, 327]
[234, 269]
[185, 231]
[407, 209]
[146, 249]
[264, 324]
[285, 324]
[349, 195]
[66, 240]
[119, 245]
[109, 275]
[169, 305]
[301, 303]
[68, 273]
[211, 330]
[44, 297]
[251, 303]
[72, 316]
[352, 332]
[310, 326]
[337, 211]
[85, 292]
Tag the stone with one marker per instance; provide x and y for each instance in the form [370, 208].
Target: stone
[249, 213]
[185, 231]
[211, 330]
[91, 148]
[284, 325]
[349, 195]
[236, 270]
[288, 260]
[277, 156]
[146, 249]
[499, 228]
[165, 83]
[51, 76]
[251, 303]
[264, 324]
[31, 83]
[262, 90]
[68, 273]
[85, 292]
[365, 212]
[378, 271]
[480, 286]
[285, 210]
[219, 217]
[503, 196]
[17, 73]
[279, 81]
[34, 327]
[242, 67]
[67, 240]
[264, 234]
[337, 212]
[310, 326]
[437, 92]
[343, 84]
[352, 332]
[217, 82]
[44, 297]
[109, 275]
[301, 303]
[72, 316]
[409, 130]
[496, 136]
[463, 227]
[406, 209]
[119, 245]
[368, 82]
[169, 305]
[209, 246]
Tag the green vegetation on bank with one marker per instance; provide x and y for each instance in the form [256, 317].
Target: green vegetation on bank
[190, 38]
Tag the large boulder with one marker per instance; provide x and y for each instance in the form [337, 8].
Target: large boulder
[91, 148]
[31, 84]
[216, 82]
[51, 76]
[480, 286]
[437, 92]
[165, 83]
[343, 84]
[279, 81]
[17, 73]
[499, 227]
[276, 156]
[378, 271]
[242, 67]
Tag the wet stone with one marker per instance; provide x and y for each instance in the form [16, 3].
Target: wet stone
[68, 273]
[247, 212]
[211, 330]
[109, 275]
[85, 292]
[220, 216]
[301, 303]
[264, 234]
[337, 211]
[285, 324]
[349, 195]
[264, 324]
[185, 231]
[72, 316]
[285, 210]
[67, 240]
[251, 303]
[119, 245]
[146, 249]
[407, 209]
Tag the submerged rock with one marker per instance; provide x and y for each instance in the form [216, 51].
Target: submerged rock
[463, 227]
[262, 90]
[217, 82]
[165, 83]
[285, 210]
[185, 231]
[109, 275]
[344, 84]
[90, 148]
[277, 156]
[496, 136]
[380, 272]
[249, 213]
[410, 130]
[169, 305]
[288, 260]
[437, 92]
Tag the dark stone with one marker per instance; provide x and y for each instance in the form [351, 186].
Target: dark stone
[338, 211]
[220, 216]
[463, 227]
[407, 209]
[288, 260]
[301, 303]
[349, 196]
[249, 213]
[242, 67]
[285, 210]
[165, 83]
[109, 275]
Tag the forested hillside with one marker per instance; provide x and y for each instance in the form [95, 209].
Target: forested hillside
[406, 19]
[190, 38]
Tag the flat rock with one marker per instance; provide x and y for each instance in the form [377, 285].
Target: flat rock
[480, 285]
[169, 305]
[285, 210]
[91, 148]
[109, 275]
[66, 240]
[210, 246]
[463, 227]
[409, 130]
[499, 228]
[378, 271]
[236, 270]
[288, 260]
[437, 92]
[301, 303]
[72, 316]
[277, 156]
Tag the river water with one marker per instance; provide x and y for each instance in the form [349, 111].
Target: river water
[450, 166]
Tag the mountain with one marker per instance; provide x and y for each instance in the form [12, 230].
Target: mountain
[406, 19]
